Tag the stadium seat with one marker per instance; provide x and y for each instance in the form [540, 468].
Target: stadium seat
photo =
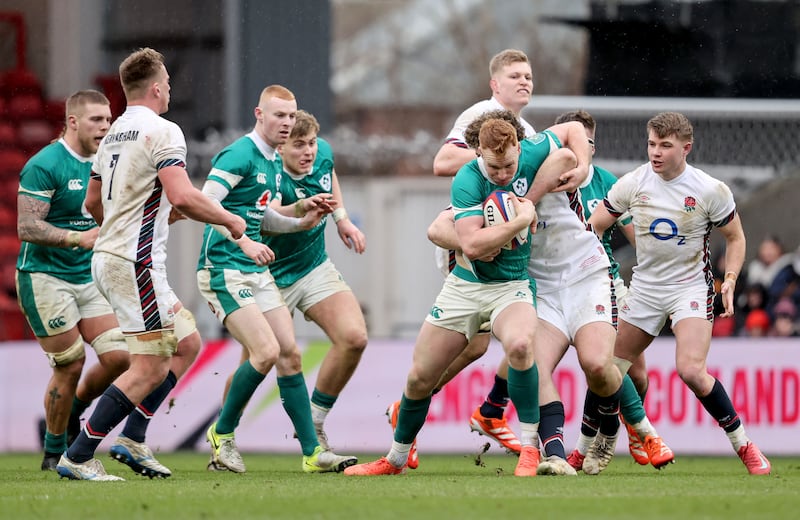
[8, 219]
[19, 81]
[33, 134]
[11, 163]
[25, 106]
[54, 110]
[8, 134]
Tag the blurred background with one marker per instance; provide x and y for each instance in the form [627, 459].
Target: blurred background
[387, 78]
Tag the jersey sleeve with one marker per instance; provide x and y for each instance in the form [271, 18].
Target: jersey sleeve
[721, 205]
[619, 197]
[36, 181]
[169, 147]
[228, 168]
[465, 194]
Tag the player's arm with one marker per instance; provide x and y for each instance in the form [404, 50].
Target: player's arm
[573, 136]
[735, 245]
[93, 201]
[351, 236]
[479, 242]
[194, 204]
[601, 219]
[548, 177]
[628, 231]
[450, 158]
[32, 226]
[442, 231]
[260, 253]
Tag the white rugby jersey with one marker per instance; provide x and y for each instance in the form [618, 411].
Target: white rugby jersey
[456, 135]
[672, 221]
[563, 251]
[135, 207]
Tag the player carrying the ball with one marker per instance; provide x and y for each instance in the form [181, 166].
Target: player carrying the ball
[489, 283]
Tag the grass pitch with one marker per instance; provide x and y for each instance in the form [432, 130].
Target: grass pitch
[454, 486]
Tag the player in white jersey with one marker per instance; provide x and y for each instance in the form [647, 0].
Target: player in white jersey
[674, 207]
[138, 176]
[511, 83]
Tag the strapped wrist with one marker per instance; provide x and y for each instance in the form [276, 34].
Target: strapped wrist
[73, 239]
[339, 214]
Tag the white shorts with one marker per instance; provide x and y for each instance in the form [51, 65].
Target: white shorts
[588, 300]
[323, 281]
[620, 291]
[445, 260]
[464, 306]
[649, 309]
[141, 297]
[227, 290]
[53, 306]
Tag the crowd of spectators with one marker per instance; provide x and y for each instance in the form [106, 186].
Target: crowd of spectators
[768, 294]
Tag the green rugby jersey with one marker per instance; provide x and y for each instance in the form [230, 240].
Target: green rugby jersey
[253, 179]
[58, 176]
[297, 254]
[470, 188]
[592, 194]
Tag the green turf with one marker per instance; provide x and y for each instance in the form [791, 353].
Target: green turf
[445, 487]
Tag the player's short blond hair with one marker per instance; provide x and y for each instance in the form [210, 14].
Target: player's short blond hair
[505, 58]
[666, 124]
[77, 101]
[278, 91]
[472, 132]
[498, 136]
[138, 69]
[304, 124]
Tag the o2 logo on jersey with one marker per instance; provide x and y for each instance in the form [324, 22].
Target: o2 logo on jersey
[263, 200]
[326, 182]
[666, 229]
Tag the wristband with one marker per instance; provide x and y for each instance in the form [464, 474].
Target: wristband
[730, 275]
[298, 209]
[73, 239]
[339, 214]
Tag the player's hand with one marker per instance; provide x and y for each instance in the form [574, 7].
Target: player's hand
[88, 238]
[352, 237]
[535, 221]
[256, 251]
[175, 215]
[523, 208]
[570, 180]
[323, 202]
[727, 289]
[490, 257]
[312, 218]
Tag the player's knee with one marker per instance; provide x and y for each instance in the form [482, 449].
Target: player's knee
[73, 353]
[354, 340]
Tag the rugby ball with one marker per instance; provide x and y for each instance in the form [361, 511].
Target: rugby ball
[497, 209]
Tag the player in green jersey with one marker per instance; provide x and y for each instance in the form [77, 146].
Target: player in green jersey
[54, 279]
[489, 283]
[232, 276]
[307, 278]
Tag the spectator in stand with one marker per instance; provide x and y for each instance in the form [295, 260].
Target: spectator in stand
[772, 268]
[757, 323]
[784, 324]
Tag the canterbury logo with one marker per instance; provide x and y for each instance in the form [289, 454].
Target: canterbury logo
[75, 185]
[56, 323]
